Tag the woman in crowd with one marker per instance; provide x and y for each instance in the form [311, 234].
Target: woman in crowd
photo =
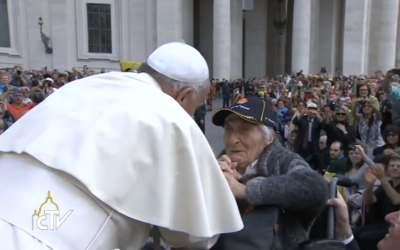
[337, 127]
[355, 167]
[363, 93]
[391, 136]
[301, 106]
[369, 125]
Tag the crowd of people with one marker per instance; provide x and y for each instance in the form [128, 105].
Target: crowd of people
[346, 125]
[21, 89]
[285, 139]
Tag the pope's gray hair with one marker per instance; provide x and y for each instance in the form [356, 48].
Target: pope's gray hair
[174, 84]
[268, 133]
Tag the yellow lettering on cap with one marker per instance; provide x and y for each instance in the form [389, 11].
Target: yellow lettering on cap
[242, 101]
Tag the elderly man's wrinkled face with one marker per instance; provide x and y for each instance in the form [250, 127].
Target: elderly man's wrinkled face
[244, 141]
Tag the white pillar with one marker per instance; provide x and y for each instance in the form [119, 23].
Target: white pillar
[356, 39]
[281, 44]
[170, 28]
[397, 65]
[388, 34]
[256, 40]
[222, 39]
[236, 39]
[301, 36]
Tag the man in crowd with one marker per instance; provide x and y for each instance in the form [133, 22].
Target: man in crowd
[226, 93]
[338, 160]
[18, 107]
[118, 172]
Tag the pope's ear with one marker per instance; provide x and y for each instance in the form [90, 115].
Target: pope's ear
[184, 93]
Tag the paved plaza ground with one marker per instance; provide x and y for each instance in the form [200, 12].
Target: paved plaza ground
[214, 133]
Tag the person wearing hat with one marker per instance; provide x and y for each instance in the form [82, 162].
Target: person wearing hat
[124, 160]
[307, 143]
[274, 187]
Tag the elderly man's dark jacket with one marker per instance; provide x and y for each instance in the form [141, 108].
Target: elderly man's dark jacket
[286, 193]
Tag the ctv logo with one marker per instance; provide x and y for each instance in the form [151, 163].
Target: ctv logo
[49, 219]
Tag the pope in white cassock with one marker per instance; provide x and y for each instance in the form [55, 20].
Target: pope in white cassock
[118, 153]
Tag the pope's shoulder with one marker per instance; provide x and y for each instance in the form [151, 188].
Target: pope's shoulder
[140, 94]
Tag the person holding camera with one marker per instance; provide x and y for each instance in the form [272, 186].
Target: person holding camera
[18, 77]
[363, 93]
[369, 124]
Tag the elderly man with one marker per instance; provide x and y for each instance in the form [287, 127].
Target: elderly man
[278, 194]
[116, 162]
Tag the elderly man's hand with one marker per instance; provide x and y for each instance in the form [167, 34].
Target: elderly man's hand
[237, 188]
[228, 166]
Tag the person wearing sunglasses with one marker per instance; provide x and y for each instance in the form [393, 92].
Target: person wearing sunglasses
[337, 127]
[391, 137]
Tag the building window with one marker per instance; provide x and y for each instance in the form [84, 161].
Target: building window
[99, 28]
[5, 41]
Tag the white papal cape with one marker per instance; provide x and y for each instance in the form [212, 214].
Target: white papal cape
[122, 156]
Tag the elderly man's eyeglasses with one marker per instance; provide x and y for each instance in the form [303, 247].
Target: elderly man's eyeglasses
[341, 114]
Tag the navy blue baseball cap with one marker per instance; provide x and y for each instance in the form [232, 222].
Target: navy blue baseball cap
[253, 109]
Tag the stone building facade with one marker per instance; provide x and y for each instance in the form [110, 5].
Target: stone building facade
[238, 38]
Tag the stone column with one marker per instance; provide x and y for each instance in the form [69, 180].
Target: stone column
[355, 38]
[398, 40]
[236, 39]
[281, 44]
[222, 39]
[301, 36]
[388, 34]
[256, 40]
[170, 28]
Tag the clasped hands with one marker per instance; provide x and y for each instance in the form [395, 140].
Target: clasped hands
[232, 176]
